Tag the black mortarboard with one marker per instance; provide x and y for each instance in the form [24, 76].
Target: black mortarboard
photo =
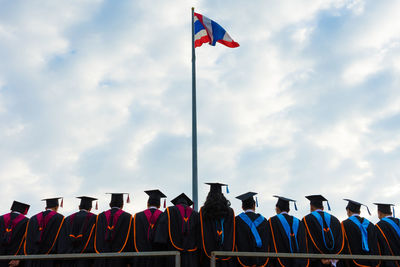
[385, 208]
[53, 202]
[355, 206]
[182, 199]
[86, 202]
[283, 203]
[155, 196]
[20, 207]
[217, 187]
[117, 199]
[316, 200]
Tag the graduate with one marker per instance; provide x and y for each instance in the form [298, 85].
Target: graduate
[388, 229]
[360, 235]
[43, 231]
[179, 229]
[77, 233]
[113, 232]
[252, 232]
[12, 231]
[285, 230]
[323, 232]
[217, 226]
[145, 224]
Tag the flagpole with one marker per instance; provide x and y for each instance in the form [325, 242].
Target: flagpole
[194, 123]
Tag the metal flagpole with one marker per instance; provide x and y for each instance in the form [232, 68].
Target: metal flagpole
[194, 123]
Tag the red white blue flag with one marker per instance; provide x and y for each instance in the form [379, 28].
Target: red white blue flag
[208, 31]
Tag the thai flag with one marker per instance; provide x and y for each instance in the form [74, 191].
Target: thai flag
[208, 31]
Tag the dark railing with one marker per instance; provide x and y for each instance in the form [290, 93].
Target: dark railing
[214, 254]
[176, 254]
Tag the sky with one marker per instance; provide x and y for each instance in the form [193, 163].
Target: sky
[95, 97]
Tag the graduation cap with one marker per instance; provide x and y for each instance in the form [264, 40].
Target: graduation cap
[355, 206]
[86, 202]
[247, 198]
[217, 187]
[117, 199]
[155, 197]
[53, 202]
[385, 208]
[283, 203]
[20, 207]
[182, 199]
[316, 200]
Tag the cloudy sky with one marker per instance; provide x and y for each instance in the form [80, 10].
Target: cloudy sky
[95, 97]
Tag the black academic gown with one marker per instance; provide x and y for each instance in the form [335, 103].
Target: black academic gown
[279, 241]
[389, 241]
[114, 235]
[12, 235]
[144, 238]
[313, 237]
[77, 236]
[246, 242]
[42, 236]
[178, 234]
[353, 242]
[211, 239]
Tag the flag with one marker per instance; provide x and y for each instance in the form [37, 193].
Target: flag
[208, 31]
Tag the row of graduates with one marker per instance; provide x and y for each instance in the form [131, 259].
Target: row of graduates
[195, 235]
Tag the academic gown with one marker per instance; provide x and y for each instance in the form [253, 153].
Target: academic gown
[113, 233]
[77, 236]
[246, 241]
[279, 241]
[12, 234]
[42, 236]
[217, 238]
[389, 241]
[144, 232]
[180, 234]
[313, 235]
[353, 242]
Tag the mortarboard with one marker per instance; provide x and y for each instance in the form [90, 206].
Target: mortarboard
[182, 199]
[86, 202]
[283, 203]
[53, 202]
[355, 206]
[316, 200]
[217, 187]
[385, 208]
[20, 207]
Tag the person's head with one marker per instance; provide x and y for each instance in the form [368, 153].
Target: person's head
[52, 203]
[248, 202]
[316, 202]
[216, 206]
[154, 198]
[86, 203]
[20, 207]
[283, 204]
[117, 200]
[384, 210]
[354, 207]
[182, 199]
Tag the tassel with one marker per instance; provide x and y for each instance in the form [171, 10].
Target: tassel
[62, 202]
[256, 202]
[329, 207]
[26, 211]
[368, 210]
[165, 203]
[97, 205]
[128, 200]
[227, 190]
[394, 215]
[295, 206]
